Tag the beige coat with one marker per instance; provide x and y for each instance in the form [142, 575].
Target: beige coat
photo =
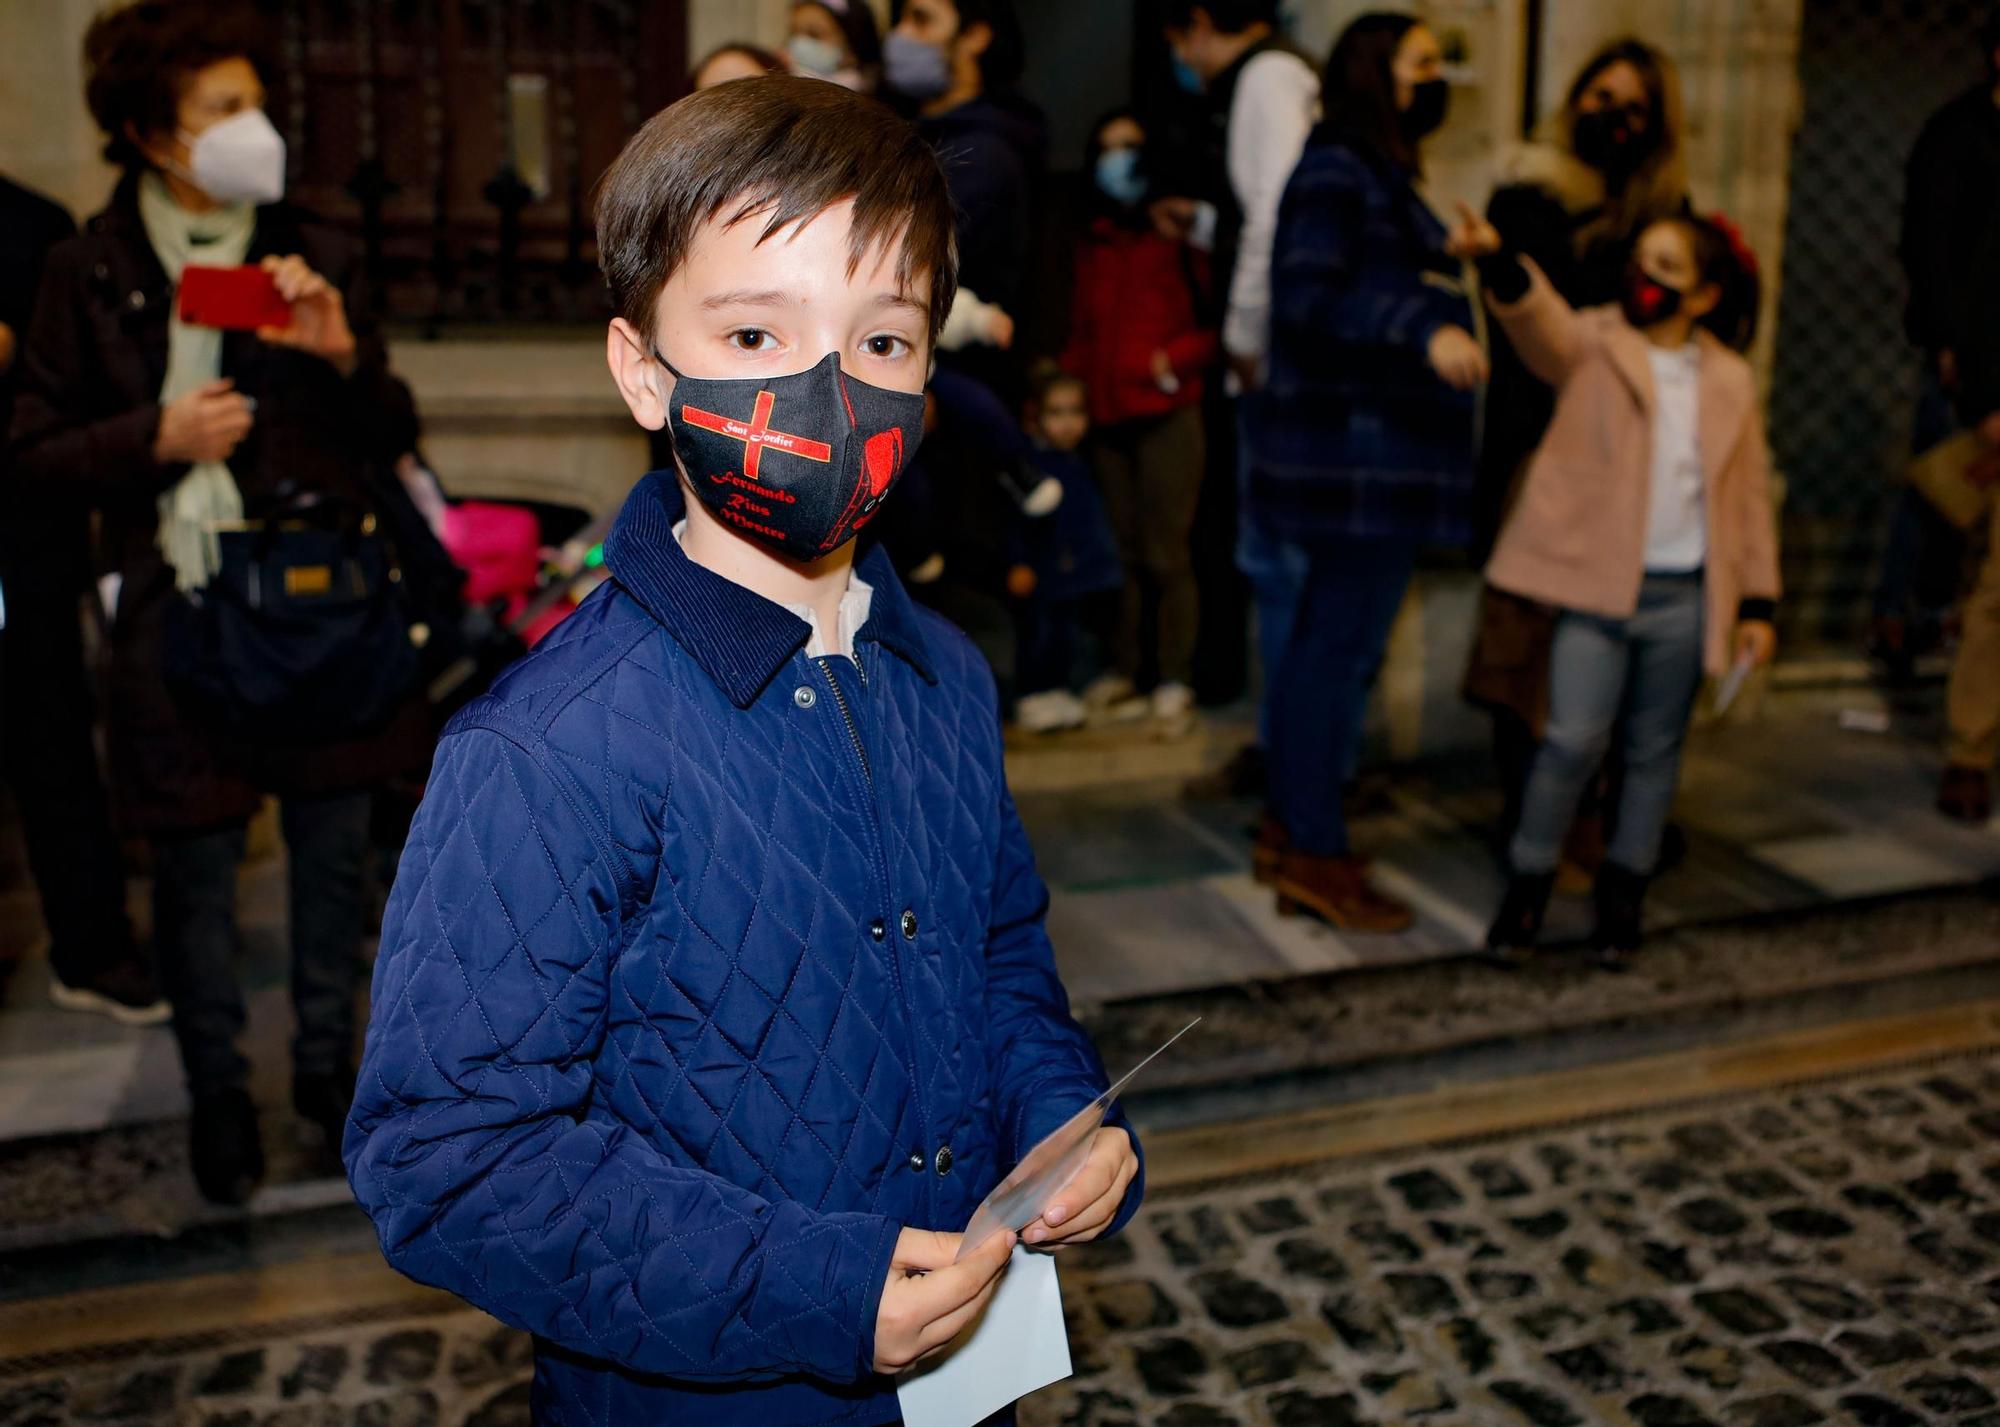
[1576, 536]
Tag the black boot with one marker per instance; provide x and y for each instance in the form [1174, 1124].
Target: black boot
[1621, 896]
[224, 1146]
[323, 1099]
[1510, 941]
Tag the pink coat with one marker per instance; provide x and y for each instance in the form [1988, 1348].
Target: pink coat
[1576, 535]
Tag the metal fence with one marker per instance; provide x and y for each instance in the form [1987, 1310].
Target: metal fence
[1844, 377]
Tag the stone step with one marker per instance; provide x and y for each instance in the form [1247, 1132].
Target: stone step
[1327, 1038]
[1263, 1048]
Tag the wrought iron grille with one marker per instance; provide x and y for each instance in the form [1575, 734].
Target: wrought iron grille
[407, 123]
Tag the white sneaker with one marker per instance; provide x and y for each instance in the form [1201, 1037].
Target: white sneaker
[1049, 711]
[1172, 701]
[128, 1000]
[1106, 690]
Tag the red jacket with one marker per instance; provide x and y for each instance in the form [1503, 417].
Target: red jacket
[1133, 297]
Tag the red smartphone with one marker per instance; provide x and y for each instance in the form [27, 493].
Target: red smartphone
[240, 299]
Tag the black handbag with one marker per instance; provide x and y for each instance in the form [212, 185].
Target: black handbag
[304, 635]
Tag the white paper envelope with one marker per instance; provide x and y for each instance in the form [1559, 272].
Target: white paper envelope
[1046, 1170]
[1017, 1346]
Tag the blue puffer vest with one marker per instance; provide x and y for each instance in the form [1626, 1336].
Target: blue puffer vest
[708, 967]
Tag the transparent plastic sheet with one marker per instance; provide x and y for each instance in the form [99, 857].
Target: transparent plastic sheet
[1046, 1170]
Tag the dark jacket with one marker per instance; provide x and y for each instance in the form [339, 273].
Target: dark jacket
[1137, 293]
[43, 549]
[84, 422]
[709, 967]
[994, 149]
[1951, 244]
[1353, 434]
[1072, 549]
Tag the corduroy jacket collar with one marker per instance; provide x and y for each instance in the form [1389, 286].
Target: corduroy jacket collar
[740, 639]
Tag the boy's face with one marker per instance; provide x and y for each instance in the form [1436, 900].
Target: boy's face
[1064, 421]
[740, 308]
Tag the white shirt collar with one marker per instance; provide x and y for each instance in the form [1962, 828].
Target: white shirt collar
[855, 605]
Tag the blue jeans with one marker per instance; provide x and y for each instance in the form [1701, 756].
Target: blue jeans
[1647, 668]
[1352, 590]
[1276, 570]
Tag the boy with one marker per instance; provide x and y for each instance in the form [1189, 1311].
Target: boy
[715, 976]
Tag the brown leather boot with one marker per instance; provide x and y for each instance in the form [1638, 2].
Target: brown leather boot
[1337, 889]
[1267, 847]
[1966, 795]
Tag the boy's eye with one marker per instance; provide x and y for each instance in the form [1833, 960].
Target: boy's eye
[750, 339]
[884, 344]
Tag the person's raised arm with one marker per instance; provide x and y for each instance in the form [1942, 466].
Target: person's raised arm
[472, 1145]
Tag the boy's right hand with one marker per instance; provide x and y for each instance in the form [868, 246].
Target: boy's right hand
[929, 1299]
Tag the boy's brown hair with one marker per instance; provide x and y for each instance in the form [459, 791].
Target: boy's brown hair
[781, 149]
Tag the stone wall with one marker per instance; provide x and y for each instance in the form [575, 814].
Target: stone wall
[47, 139]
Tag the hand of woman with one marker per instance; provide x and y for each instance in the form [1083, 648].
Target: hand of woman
[205, 424]
[1756, 642]
[319, 315]
[1474, 236]
[1457, 358]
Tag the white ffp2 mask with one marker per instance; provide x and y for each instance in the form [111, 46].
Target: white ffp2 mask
[240, 159]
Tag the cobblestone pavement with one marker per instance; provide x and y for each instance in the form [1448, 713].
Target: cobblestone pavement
[1826, 1254]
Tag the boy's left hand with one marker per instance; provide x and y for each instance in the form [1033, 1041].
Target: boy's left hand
[1756, 642]
[1090, 1201]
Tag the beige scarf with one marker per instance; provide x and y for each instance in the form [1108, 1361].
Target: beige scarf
[206, 498]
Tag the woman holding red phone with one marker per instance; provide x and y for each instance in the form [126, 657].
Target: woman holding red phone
[175, 431]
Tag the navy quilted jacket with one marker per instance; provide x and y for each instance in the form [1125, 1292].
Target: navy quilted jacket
[1353, 434]
[709, 966]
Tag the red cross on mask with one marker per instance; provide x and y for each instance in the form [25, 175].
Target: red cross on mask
[756, 434]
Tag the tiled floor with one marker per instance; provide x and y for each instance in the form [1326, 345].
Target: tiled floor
[1153, 894]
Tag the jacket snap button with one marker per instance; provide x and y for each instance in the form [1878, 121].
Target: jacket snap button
[944, 1158]
[909, 926]
[917, 1161]
[804, 697]
[877, 930]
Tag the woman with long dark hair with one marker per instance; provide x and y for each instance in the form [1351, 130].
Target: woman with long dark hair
[1361, 441]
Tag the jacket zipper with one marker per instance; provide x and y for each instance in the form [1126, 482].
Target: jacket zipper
[894, 932]
[847, 717]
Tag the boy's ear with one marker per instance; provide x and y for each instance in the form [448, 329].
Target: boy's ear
[642, 381]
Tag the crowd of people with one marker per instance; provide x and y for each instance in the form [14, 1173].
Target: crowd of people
[1273, 338]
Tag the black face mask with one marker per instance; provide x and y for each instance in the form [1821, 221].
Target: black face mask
[1608, 142]
[797, 463]
[1647, 301]
[1428, 103]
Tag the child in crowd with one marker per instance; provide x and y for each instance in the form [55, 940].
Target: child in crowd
[1063, 556]
[1646, 521]
[715, 993]
[1138, 341]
